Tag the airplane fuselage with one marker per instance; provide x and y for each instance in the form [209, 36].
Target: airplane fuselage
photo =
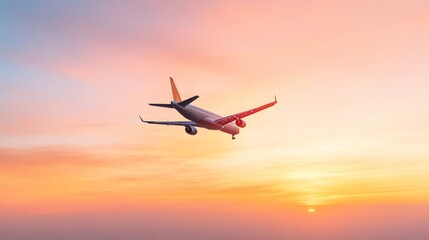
[205, 118]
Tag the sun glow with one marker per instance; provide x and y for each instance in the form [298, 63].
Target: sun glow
[311, 210]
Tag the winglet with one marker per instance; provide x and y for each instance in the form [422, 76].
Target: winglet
[141, 119]
[275, 99]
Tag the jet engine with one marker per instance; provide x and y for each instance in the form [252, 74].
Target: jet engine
[191, 130]
[240, 123]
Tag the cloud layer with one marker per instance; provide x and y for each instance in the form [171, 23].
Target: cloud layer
[349, 135]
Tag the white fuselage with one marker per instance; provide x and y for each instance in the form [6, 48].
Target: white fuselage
[205, 118]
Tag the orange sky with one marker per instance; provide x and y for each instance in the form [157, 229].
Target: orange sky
[349, 136]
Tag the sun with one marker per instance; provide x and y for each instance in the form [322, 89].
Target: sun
[311, 210]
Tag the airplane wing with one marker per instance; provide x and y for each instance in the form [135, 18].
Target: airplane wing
[175, 123]
[225, 120]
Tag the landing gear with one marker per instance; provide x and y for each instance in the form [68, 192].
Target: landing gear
[233, 137]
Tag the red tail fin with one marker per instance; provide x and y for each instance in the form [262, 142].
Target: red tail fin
[176, 96]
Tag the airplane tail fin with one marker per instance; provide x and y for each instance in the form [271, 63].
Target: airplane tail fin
[176, 96]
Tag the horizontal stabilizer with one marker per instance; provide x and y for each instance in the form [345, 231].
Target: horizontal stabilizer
[188, 101]
[165, 105]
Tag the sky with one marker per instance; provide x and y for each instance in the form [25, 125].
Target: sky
[348, 138]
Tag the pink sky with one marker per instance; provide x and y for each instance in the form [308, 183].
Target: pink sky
[349, 136]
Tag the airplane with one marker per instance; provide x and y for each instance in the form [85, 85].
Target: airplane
[202, 118]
